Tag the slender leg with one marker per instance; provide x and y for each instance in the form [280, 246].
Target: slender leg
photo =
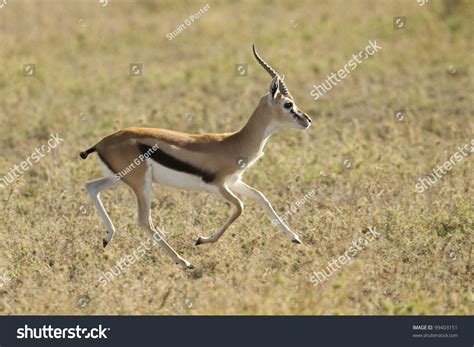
[93, 189]
[239, 206]
[144, 220]
[244, 189]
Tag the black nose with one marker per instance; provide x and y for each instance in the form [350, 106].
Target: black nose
[309, 119]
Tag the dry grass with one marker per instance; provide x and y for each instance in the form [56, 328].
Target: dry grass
[421, 265]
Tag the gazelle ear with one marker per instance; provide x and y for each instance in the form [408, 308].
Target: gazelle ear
[274, 87]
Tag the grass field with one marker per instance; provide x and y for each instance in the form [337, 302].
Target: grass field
[361, 160]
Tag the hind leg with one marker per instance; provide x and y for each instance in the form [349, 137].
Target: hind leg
[141, 185]
[93, 189]
[126, 156]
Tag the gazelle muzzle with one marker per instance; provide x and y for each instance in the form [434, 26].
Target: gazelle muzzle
[301, 118]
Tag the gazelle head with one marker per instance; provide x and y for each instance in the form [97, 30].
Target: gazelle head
[282, 107]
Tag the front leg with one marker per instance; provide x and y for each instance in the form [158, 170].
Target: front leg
[244, 189]
[230, 197]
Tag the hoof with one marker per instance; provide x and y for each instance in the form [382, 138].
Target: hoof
[198, 242]
[104, 242]
[296, 241]
[186, 265]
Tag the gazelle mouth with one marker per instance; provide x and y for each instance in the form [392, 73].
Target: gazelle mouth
[301, 121]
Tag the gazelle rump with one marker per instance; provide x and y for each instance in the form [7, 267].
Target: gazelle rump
[210, 162]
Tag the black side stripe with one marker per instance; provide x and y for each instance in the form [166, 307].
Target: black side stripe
[173, 163]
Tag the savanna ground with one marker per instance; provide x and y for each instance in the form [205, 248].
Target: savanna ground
[360, 159]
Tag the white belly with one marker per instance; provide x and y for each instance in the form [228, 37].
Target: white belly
[172, 178]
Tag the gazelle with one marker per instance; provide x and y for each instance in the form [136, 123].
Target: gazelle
[210, 162]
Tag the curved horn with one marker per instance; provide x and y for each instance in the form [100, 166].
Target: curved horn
[269, 69]
[262, 62]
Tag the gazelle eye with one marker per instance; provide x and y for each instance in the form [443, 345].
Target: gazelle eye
[288, 105]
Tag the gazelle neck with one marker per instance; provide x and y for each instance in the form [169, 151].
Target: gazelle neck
[254, 135]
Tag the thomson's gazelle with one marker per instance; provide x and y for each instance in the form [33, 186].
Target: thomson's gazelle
[209, 162]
